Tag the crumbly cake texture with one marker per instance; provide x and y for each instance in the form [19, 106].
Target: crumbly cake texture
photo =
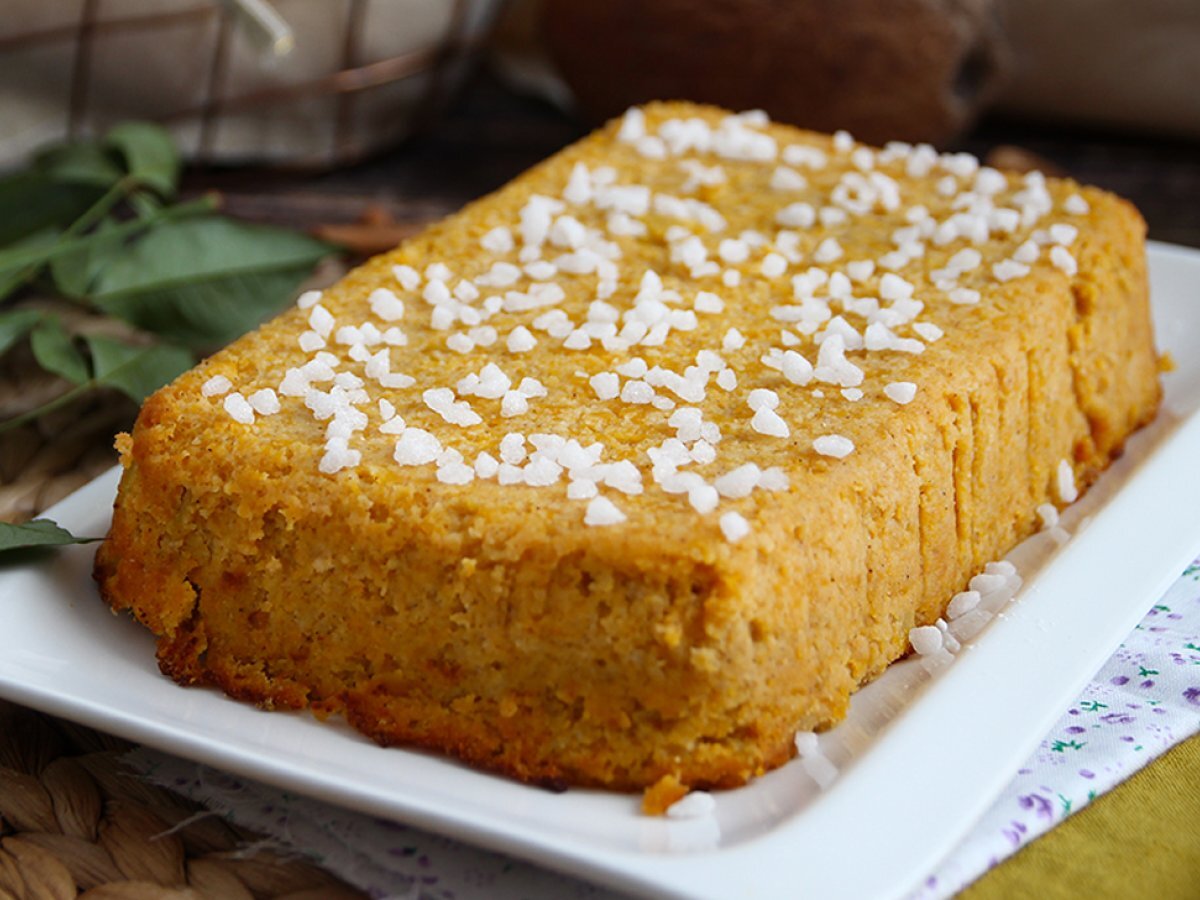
[645, 462]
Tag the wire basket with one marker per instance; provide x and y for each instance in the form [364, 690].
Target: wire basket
[293, 82]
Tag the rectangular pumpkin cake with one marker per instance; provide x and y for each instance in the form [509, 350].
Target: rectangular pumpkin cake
[645, 462]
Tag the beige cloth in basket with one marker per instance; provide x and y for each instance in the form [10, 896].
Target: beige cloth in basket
[362, 73]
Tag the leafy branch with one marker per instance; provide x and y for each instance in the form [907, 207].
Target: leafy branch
[97, 226]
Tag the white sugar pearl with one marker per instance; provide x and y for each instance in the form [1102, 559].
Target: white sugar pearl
[239, 410]
[767, 421]
[695, 805]
[926, 639]
[216, 386]
[833, 445]
[602, 511]
[734, 526]
[901, 392]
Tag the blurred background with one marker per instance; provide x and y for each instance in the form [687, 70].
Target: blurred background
[318, 112]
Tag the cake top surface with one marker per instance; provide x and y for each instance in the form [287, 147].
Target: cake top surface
[684, 311]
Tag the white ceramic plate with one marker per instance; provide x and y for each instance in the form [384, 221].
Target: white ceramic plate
[919, 757]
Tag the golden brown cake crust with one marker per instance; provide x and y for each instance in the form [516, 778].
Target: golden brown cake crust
[489, 622]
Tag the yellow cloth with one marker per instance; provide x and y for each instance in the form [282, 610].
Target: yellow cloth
[1140, 840]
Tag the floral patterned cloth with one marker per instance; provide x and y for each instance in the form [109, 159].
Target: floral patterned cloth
[1144, 700]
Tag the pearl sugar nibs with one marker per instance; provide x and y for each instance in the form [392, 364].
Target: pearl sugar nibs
[693, 805]
[216, 386]
[833, 445]
[602, 511]
[734, 527]
[582, 229]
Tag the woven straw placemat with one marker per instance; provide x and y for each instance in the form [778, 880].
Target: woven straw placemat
[74, 821]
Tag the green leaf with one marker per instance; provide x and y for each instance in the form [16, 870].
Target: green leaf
[84, 162]
[75, 271]
[149, 152]
[14, 257]
[15, 324]
[13, 276]
[32, 201]
[137, 372]
[203, 282]
[37, 533]
[56, 352]
[145, 203]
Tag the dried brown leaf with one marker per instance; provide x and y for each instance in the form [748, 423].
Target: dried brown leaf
[365, 240]
[1008, 157]
[76, 797]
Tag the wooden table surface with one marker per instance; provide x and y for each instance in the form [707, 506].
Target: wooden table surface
[491, 134]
